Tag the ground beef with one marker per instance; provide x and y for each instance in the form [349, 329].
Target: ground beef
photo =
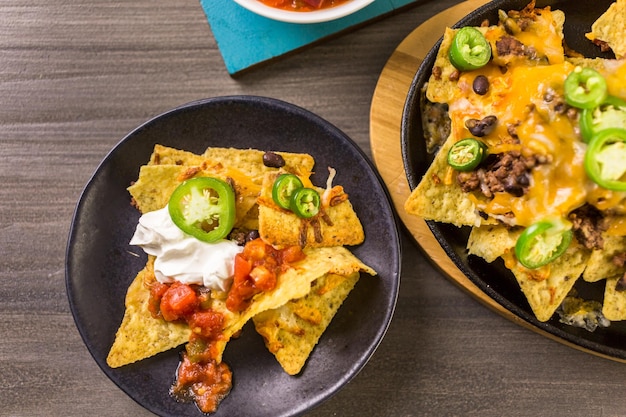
[508, 45]
[588, 225]
[507, 172]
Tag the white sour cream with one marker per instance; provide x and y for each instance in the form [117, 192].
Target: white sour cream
[181, 257]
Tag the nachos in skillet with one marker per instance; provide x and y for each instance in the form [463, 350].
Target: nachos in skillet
[180, 194]
[513, 164]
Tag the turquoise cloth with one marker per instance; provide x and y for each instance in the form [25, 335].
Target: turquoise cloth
[246, 39]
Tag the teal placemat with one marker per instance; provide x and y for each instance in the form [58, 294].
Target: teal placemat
[246, 39]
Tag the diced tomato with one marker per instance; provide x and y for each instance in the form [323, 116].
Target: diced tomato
[178, 300]
[292, 254]
[264, 279]
[255, 250]
[208, 324]
[156, 293]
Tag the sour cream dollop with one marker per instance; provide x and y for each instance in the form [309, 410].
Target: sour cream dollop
[181, 257]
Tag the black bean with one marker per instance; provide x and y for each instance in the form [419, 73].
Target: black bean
[273, 160]
[480, 128]
[481, 85]
[252, 234]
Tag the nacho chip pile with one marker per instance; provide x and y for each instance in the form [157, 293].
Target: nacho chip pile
[526, 75]
[291, 317]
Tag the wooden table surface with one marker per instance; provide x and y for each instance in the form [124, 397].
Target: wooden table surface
[77, 75]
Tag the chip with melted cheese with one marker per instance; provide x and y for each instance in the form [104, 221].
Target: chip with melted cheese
[526, 75]
[337, 227]
[141, 336]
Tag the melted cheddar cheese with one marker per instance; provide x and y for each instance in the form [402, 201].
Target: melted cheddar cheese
[527, 95]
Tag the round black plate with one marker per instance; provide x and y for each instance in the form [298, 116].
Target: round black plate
[494, 279]
[99, 267]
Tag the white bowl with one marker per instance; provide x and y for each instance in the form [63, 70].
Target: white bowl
[322, 15]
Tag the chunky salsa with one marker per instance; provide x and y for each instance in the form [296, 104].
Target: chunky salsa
[200, 377]
[303, 5]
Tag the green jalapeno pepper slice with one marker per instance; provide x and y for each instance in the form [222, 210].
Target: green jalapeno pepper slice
[284, 187]
[203, 207]
[611, 113]
[305, 202]
[543, 242]
[466, 154]
[585, 88]
[469, 50]
[605, 159]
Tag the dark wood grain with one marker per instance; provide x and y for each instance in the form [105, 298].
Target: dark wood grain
[76, 75]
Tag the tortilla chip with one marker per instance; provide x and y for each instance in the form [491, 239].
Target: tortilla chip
[614, 305]
[281, 228]
[546, 288]
[141, 336]
[250, 162]
[439, 197]
[600, 265]
[492, 242]
[609, 28]
[156, 183]
[164, 155]
[292, 331]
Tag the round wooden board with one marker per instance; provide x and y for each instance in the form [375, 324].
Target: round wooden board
[385, 126]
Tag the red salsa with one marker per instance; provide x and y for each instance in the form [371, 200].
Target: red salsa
[199, 376]
[303, 5]
[256, 269]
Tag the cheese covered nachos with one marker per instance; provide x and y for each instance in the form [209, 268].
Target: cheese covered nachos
[533, 159]
[224, 247]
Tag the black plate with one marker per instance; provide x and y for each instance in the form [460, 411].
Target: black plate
[494, 279]
[99, 267]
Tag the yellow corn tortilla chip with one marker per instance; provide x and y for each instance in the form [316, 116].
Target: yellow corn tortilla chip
[292, 331]
[156, 183]
[600, 264]
[281, 228]
[546, 288]
[250, 162]
[492, 242]
[164, 155]
[614, 305]
[141, 336]
[438, 196]
[609, 28]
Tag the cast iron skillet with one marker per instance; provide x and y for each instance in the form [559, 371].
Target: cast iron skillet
[100, 263]
[494, 279]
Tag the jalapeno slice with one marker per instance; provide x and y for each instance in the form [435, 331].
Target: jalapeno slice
[203, 207]
[605, 159]
[466, 154]
[611, 113]
[284, 187]
[585, 88]
[469, 49]
[305, 202]
[543, 242]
